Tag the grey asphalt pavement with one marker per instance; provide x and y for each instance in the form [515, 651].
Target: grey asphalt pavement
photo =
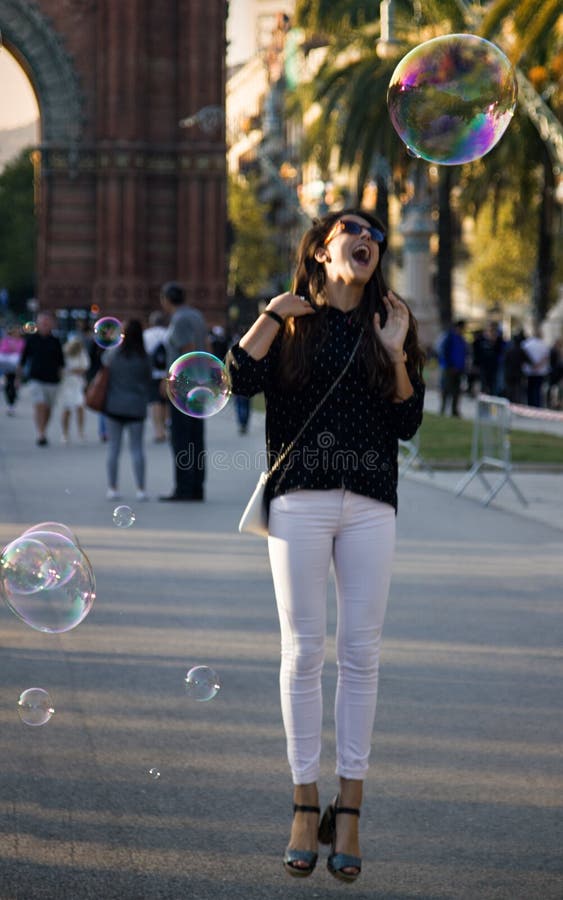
[464, 797]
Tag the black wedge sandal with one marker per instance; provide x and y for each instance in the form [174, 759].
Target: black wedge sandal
[337, 862]
[308, 857]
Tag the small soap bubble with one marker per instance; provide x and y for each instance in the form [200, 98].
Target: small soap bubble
[154, 773]
[123, 516]
[29, 328]
[35, 706]
[202, 683]
[198, 384]
[108, 332]
[452, 98]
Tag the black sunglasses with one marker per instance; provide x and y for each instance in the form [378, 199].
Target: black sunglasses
[351, 227]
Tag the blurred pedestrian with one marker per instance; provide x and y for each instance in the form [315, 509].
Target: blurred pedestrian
[490, 352]
[94, 352]
[11, 347]
[72, 386]
[43, 361]
[126, 405]
[243, 405]
[453, 353]
[537, 370]
[513, 367]
[186, 332]
[154, 338]
[555, 373]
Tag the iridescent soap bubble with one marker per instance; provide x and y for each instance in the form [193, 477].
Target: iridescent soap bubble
[26, 566]
[54, 527]
[35, 706]
[58, 602]
[198, 384]
[29, 328]
[123, 516]
[202, 683]
[154, 773]
[452, 98]
[108, 332]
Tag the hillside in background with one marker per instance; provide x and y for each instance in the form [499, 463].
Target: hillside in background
[13, 140]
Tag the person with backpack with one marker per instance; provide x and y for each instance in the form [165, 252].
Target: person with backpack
[153, 339]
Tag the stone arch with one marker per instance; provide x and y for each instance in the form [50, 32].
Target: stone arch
[29, 35]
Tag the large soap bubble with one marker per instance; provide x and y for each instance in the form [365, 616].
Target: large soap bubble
[452, 98]
[198, 384]
[56, 527]
[58, 589]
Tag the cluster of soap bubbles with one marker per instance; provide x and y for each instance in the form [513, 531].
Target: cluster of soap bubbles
[46, 579]
[452, 98]
[197, 383]
[202, 684]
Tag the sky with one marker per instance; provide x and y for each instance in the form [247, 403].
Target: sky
[238, 31]
[18, 105]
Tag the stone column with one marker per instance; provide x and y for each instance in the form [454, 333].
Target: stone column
[416, 228]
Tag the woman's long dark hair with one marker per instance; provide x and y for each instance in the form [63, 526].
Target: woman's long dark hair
[132, 344]
[302, 334]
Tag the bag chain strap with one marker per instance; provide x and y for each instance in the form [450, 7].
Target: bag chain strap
[285, 453]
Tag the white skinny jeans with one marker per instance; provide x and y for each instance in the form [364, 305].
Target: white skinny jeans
[307, 529]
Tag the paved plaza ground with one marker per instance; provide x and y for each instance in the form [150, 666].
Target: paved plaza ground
[464, 800]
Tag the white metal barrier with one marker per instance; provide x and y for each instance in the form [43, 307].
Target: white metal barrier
[491, 447]
[409, 454]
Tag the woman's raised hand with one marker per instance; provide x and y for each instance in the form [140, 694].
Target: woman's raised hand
[289, 304]
[392, 335]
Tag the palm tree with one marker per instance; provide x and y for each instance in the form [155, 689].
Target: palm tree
[351, 87]
[528, 31]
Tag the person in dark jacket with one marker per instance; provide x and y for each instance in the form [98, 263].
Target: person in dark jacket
[453, 354]
[341, 350]
[513, 361]
[126, 405]
[43, 360]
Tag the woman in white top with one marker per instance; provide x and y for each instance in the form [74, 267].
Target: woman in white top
[72, 387]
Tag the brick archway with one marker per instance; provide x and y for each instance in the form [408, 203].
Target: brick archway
[127, 198]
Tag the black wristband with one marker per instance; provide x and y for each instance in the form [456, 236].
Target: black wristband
[273, 315]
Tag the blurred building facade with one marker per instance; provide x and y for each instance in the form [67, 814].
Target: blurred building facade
[126, 198]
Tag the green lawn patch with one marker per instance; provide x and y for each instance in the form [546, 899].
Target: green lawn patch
[448, 440]
[445, 439]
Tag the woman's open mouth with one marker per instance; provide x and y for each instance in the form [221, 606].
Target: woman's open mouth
[362, 254]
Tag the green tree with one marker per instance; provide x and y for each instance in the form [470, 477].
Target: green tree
[253, 262]
[17, 229]
[502, 264]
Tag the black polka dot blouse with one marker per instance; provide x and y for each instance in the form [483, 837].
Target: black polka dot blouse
[352, 441]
